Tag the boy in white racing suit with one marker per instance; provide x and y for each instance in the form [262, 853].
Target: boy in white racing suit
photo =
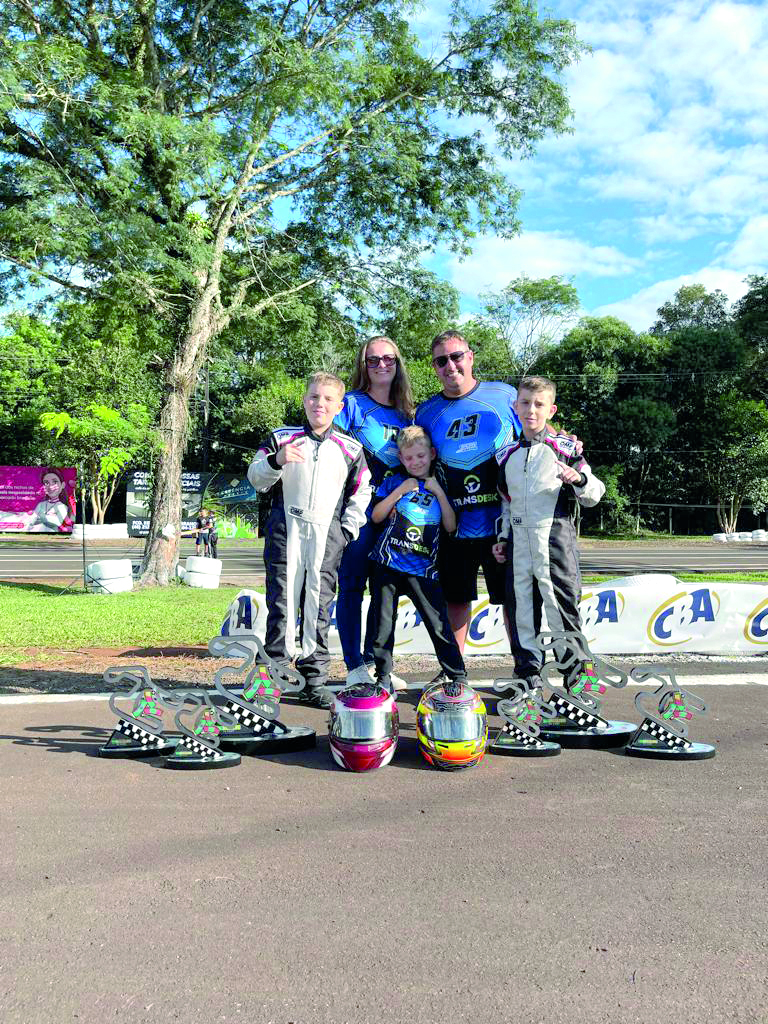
[320, 491]
[539, 477]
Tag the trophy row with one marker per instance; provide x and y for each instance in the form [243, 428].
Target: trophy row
[451, 719]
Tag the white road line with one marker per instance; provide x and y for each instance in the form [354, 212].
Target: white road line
[687, 682]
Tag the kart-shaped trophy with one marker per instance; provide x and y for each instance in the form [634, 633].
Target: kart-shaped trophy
[254, 704]
[577, 721]
[663, 733]
[523, 714]
[140, 728]
[199, 746]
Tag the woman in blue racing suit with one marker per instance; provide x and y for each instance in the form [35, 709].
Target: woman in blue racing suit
[378, 404]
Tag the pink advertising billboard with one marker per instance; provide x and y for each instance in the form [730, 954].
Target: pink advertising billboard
[37, 499]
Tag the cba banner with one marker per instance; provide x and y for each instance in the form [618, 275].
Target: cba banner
[656, 614]
[37, 499]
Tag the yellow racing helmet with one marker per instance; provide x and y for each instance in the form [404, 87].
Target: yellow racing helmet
[452, 726]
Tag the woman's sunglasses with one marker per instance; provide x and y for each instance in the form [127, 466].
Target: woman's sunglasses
[384, 360]
[455, 357]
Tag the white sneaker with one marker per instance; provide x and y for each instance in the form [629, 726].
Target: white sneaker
[359, 675]
[397, 682]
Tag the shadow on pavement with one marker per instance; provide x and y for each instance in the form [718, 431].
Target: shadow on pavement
[87, 740]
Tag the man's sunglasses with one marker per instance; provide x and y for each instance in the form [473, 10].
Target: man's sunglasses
[455, 357]
[384, 360]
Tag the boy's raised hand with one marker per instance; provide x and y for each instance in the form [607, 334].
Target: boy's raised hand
[408, 485]
[568, 474]
[290, 453]
[431, 485]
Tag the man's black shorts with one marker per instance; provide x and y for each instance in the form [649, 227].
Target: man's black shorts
[460, 560]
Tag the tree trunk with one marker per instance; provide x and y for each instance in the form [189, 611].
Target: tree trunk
[161, 552]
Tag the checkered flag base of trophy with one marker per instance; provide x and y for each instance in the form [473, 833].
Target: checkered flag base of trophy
[667, 710]
[251, 691]
[140, 730]
[523, 714]
[570, 715]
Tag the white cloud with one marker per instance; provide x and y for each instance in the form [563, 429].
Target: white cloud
[748, 252]
[496, 261]
[670, 110]
[639, 310]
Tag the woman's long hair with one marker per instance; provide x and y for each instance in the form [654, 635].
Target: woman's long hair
[400, 393]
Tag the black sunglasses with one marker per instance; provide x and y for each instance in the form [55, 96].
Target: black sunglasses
[385, 360]
[455, 357]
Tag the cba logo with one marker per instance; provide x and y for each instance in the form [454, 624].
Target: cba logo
[413, 533]
[486, 627]
[599, 607]
[242, 617]
[756, 626]
[472, 484]
[683, 617]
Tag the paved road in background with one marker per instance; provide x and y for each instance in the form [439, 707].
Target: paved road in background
[41, 561]
[589, 887]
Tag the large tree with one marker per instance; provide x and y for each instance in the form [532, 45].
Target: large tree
[182, 154]
[692, 306]
[531, 314]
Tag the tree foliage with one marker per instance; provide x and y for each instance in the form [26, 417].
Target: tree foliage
[692, 306]
[102, 443]
[530, 314]
[190, 158]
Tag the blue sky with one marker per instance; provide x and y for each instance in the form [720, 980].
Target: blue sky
[663, 181]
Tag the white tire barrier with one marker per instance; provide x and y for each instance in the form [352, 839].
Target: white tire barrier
[203, 572]
[745, 536]
[662, 579]
[732, 538]
[721, 538]
[207, 566]
[206, 581]
[119, 585]
[759, 536]
[109, 569]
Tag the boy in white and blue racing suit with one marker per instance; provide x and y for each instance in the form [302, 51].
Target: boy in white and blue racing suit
[320, 485]
[540, 478]
[414, 506]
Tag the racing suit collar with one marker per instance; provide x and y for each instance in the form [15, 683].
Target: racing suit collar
[316, 437]
[537, 437]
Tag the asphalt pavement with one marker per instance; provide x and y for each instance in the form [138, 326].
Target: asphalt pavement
[589, 887]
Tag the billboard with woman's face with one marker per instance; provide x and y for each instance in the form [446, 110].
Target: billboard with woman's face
[37, 499]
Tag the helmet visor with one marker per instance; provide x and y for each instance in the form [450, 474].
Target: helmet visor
[349, 724]
[451, 726]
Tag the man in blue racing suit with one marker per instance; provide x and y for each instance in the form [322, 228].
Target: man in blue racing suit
[468, 421]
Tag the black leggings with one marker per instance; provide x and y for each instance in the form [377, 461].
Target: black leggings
[387, 585]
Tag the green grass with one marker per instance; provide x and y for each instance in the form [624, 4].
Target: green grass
[36, 615]
[690, 577]
[40, 616]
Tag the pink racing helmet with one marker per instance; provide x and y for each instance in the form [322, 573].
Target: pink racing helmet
[363, 727]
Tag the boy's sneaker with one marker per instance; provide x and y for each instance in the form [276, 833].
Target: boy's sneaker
[397, 682]
[315, 697]
[535, 687]
[358, 675]
[441, 677]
